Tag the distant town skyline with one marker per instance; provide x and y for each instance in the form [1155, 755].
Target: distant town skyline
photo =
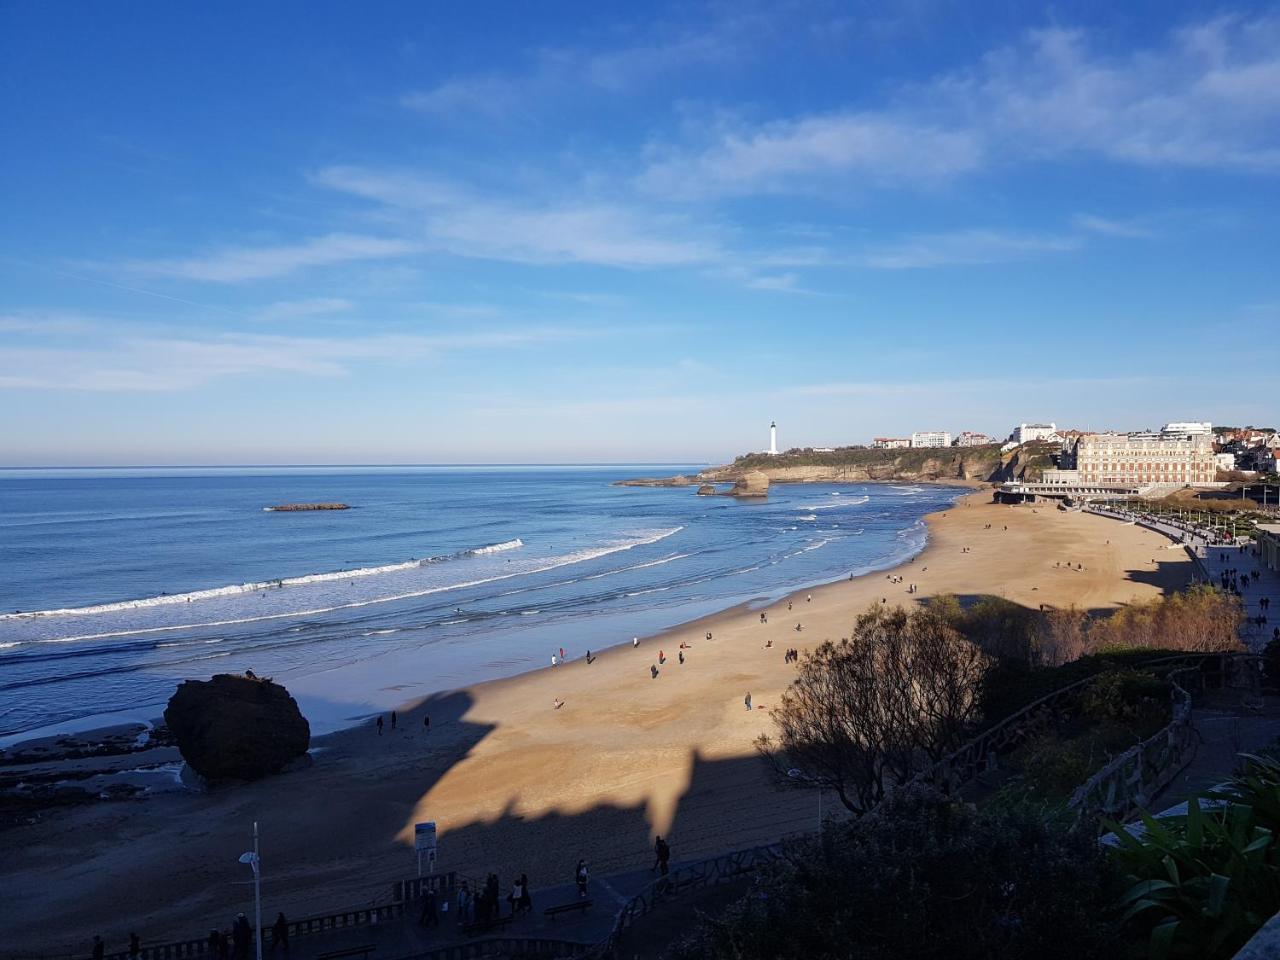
[405, 234]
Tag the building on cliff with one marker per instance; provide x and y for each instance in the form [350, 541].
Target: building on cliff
[931, 438]
[891, 443]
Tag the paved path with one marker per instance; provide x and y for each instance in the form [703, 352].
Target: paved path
[405, 937]
[1213, 560]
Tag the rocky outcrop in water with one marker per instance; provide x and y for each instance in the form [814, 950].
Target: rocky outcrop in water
[300, 507]
[680, 480]
[236, 727]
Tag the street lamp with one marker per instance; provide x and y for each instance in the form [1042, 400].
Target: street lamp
[254, 861]
[800, 776]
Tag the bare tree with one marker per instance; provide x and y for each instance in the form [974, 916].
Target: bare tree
[872, 710]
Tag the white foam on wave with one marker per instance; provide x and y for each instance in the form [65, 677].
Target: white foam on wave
[257, 586]
[808, 516]
[852, 502]
[580, 556]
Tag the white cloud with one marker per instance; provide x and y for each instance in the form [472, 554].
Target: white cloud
[455, 221]
[1206, 97]
[788, 155]
[1127, 229]
[237, 264]
[297, 309]
[161, 362]
[965, 247]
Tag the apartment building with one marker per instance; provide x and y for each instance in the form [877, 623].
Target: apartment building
[931, 438]
[1141, 458]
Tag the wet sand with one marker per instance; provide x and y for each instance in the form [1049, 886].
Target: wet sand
[516, 784]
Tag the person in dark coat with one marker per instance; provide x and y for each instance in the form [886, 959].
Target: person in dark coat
[280, 933]
[135, 946]
[98, 948]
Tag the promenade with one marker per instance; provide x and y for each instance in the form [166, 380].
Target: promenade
[1215, 558]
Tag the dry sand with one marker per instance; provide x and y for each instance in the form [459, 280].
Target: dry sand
[518, 785]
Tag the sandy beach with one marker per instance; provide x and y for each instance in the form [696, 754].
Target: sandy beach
[517, 784]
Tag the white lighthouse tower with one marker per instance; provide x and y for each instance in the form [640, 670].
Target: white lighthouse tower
[773, 438]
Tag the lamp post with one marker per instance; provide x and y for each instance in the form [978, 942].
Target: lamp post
[799, 775]
[254, 861]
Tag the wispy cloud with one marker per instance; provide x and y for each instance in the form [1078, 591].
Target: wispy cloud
[300, 309]
[238, 264]
[452, 219]
[787, 155]
[1207, 97]
[160, 362]
[1126, 229]
[966, 247]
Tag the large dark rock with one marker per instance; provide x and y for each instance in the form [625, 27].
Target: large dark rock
[236, 727]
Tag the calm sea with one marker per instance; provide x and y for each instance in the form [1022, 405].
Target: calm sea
[117, 584]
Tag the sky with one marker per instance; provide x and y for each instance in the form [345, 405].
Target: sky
[313, 232]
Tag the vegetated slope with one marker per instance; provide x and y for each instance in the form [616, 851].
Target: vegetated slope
[860, 464]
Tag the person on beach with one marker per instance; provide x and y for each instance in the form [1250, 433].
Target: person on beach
[393, 719]
[98, 948]
[580, 877]
[708, 634]
[135, 946]
[515, 896]
[562, 653]
[588, 657]
[635, 642]
[681, 655]
[662, 657]
[554, 661]
[747, 699]
[653, 671]
[557, 703]
[426, 723]
[280, 933]
[379, 724]
[526, 899]
[809, 598]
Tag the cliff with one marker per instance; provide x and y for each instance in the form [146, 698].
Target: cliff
[869, 465]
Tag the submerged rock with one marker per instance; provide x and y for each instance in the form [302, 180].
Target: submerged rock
[236, 727]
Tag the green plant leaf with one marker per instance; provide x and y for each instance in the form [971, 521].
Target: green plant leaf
[1162, 937]
[1218, 888]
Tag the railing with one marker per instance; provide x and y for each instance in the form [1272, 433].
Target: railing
[981, 754]
[693, 876]
[418, 886]
[1132, 780]
[355, 917]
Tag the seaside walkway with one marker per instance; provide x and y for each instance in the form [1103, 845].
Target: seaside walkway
[405, 937]
[1212, 559]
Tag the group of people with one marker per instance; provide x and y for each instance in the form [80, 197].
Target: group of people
[791, 656]
[379, 723]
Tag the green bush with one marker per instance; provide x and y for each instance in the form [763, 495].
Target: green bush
[1199, 886]
[921, 878]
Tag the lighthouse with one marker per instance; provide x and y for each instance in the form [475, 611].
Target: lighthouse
[773, 438]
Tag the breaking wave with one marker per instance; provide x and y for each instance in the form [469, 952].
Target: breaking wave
[262, 585]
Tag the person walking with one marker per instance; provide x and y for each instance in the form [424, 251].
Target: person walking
[682, 656]
[464, 904]
[393, 719]
[515, 896]
[526, 898]
[635, 642]
[426, 723]
[580, 877]
[379, 724]
[661, 856]
[280, 933]
[747, 700]
[429, 917]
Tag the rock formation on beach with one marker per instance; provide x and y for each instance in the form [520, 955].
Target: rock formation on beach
[754, 483]
[299, 507]
[236, 727]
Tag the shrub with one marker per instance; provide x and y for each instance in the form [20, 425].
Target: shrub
[920, 878]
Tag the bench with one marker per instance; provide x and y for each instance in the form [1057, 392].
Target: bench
[483, 926]
[364, 951]
[555, 911]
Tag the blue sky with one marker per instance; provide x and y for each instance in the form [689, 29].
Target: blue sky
[399, 232]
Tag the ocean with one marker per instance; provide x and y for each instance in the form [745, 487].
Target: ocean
[116, 584]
